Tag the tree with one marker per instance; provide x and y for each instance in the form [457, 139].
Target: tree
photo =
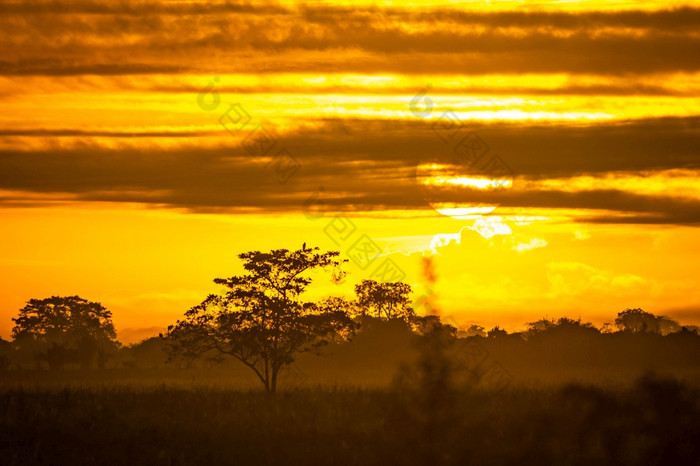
[607, 328]
[475, 330]
[432, 325]
[261, 319]
[637, 321]
[562, 330]
[385, 299]
[497, 332]
[63, 330]
[335, 303]
[540, 326]
[561, 326]
[567, 324]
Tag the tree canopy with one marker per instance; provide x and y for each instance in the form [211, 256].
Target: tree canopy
[390, 300]
[640, 321]
[65, 330]
[261, 319]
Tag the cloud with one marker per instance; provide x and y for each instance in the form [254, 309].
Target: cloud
[134, 38]
[534, 243]
[376, 171]
[489, 227]
[70, 67]
[577, 279]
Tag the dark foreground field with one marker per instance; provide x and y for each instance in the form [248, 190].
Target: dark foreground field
[656, 421]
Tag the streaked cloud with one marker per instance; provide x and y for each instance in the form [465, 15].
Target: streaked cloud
[635, 172]
[152, 37]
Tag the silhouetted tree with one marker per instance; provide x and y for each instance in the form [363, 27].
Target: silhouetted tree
[539, 326]
[260, 319]
[637, 321]
[606, 328]
[564, 329]
[497, 332]
[390, 300]
[335, 303]
[567, 325]
[433, 326]
[63, 330]
[475, 331]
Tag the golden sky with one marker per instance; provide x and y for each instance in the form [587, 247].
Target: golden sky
[545, 155]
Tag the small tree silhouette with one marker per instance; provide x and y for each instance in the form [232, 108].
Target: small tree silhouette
[497, 332]
[390, 300]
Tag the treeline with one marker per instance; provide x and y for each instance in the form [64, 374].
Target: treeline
[261, 322]
[548, 350]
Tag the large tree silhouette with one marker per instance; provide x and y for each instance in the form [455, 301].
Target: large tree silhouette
[61, 330]
[261, 319]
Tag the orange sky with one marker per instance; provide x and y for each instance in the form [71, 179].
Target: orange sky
[122, 181]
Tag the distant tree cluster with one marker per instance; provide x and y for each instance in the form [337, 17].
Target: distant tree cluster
[627, 321]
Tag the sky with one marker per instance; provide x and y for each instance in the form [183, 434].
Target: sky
[543, 157]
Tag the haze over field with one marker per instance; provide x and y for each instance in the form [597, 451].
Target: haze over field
[544, 155]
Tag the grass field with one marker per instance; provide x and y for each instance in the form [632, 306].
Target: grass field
[654, 421]
[382, 400]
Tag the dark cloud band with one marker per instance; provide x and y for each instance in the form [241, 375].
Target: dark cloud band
[376, 171]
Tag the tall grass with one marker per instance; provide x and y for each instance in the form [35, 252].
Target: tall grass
[656, 421]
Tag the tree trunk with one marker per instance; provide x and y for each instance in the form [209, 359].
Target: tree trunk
[273, 380]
